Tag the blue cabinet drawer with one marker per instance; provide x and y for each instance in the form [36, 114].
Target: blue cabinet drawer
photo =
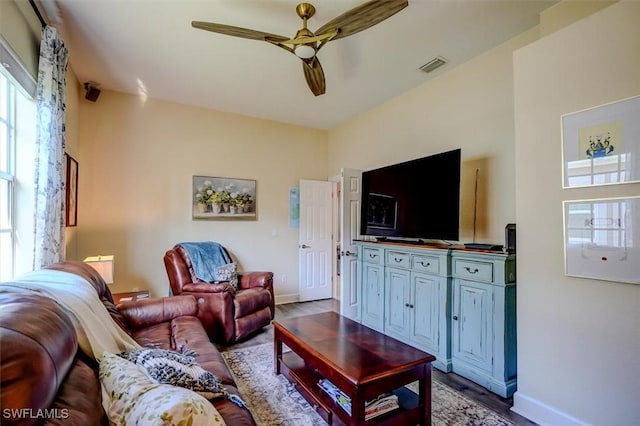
[473, 270]
[397, 259]
[372, 255]
[428, 264]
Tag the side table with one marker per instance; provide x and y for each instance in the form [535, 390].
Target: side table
[130, 296]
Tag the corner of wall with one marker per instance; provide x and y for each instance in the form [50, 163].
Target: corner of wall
[567, 12]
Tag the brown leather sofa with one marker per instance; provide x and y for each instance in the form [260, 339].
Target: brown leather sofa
[227, 314]
[45, 379]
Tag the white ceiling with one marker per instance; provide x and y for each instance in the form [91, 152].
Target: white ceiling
[148, 47]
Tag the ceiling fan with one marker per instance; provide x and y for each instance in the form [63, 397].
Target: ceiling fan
[306, 44]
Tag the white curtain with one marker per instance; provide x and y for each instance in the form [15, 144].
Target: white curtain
[49, 167]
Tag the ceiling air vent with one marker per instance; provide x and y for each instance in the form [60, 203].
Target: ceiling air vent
[436, 62]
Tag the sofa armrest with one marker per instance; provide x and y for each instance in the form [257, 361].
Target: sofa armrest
[146, 312]
[255, 279]
[222, 287]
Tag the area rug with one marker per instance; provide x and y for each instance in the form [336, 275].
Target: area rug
[273, 401]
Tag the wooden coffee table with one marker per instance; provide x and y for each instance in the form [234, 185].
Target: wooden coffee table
[360, 361]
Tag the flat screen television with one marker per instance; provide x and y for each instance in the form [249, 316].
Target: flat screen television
[414, 200]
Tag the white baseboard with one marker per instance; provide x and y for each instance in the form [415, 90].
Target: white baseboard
[281, 299]
[541, 413]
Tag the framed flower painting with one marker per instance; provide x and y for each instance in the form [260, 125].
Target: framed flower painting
[217, 198]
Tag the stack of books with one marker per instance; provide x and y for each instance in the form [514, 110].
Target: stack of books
[377, 406]
[380, 405]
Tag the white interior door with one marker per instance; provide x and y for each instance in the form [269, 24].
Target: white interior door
[315, 243]
[349, 231]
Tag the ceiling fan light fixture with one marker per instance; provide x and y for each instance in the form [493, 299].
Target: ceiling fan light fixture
[305, 45]
[305, 51]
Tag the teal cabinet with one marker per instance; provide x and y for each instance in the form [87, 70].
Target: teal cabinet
[472, 325]
[457, 304]
[483, 326]
[407, 295]
[397, 303]
[428, 295]
[371, 280]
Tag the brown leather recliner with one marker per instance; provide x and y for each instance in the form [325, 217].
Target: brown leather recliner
[227, 314]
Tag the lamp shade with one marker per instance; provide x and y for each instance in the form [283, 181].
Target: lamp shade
[104, 266]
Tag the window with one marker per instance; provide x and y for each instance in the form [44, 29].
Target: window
[17, 151]
[7, 176]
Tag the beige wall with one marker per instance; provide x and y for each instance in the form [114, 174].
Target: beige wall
[72, 147]
[578, 339]
[136, 163]
[566, 12]
[469, 107]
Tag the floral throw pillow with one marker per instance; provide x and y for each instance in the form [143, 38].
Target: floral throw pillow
[228, 272]
[130, 397]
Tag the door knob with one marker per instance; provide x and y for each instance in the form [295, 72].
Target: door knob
[304, 246]
[348, 253]
[455, 318]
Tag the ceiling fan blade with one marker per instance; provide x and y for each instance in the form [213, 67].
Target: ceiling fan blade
[236, 31]
[314, 75]
[362, 17]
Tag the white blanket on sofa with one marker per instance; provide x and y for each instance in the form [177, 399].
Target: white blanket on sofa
[97, 332]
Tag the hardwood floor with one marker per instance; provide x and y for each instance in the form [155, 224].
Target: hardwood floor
[466, 387]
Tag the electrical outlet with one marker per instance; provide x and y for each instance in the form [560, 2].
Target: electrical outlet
[283, 279]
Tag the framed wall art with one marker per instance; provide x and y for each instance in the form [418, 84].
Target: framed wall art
[71, 191]
[601, 145]
[602, 239]
[294, 207]
[217, 198]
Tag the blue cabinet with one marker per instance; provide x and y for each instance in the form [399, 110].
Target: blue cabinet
[397, 301]
[428, 319]
[371, 281]
[472, 325]
[457, 304]
[483, 327]
[416, 293]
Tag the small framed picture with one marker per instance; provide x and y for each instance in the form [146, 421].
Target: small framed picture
[601, 239]
[71, 191]
[601, 145]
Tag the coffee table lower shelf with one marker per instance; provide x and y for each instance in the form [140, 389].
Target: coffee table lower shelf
[305, 380]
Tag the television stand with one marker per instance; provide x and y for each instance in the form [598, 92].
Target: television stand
[416, 242]
[399, 240]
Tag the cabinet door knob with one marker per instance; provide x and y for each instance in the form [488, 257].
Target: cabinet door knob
[455, 318]
[471, 271]
[425, 264]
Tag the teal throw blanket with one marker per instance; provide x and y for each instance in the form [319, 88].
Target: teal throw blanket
[205, 257]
